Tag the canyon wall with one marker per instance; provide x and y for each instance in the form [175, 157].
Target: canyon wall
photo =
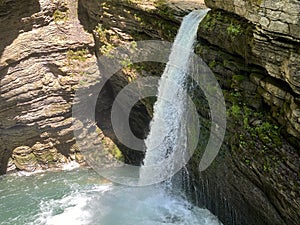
[266, 34]
[39, 69]
[48, 51]
[254, 50]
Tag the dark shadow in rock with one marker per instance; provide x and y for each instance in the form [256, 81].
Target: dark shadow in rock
[90, 14]
[139, 119]
[15, 19]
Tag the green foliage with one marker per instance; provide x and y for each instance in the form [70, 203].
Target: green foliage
[80, 55]
[112, 149]
[209, 22]
[163, 9]
[166, 29]
[116, 152]
[74, 58]
[101, 32]
[127, 62]
[262, 129]
[212, 64]
[106, 49]
[235, 110]
[105, 40]
[133, 44]
[59, 16]
[235, 96]
[238, 78]
[234, 29]
[211, 19]
[219, 16]
[247, 161]
[137, 18]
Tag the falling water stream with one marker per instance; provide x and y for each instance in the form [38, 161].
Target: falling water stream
[81, 196]
[167, 141]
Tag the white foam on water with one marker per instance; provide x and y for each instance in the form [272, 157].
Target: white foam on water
[70, 166]
[70, 209]
[119, 205]
[82, 198]
[65, 167]
[146, 206]
[27, 174]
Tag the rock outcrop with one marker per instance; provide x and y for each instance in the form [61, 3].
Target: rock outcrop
[49, 51]
[264, 33]
[253, 49]
[40, 42]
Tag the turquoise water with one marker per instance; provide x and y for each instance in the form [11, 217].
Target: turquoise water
[82, 197]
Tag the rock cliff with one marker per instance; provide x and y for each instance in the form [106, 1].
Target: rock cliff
[253, 49]
[48, 50]
[40, 42]
[266, 34]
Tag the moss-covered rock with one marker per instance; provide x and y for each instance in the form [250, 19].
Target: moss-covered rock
[251, 168]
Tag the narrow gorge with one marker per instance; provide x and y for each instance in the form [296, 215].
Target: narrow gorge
[50, 49]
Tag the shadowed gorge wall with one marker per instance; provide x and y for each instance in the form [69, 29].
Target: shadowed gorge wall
[253, 49]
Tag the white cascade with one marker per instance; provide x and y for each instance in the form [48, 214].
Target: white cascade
[168, 131]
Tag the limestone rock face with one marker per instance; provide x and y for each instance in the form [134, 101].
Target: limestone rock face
[279, 16]
[254, 51]
[48, 51]
[38, 76]
[267, 34]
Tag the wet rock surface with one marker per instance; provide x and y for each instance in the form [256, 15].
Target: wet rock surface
[257, 170]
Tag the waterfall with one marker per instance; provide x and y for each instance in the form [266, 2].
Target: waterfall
[168, 129]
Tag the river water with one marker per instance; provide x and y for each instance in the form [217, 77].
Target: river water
[82, 197]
